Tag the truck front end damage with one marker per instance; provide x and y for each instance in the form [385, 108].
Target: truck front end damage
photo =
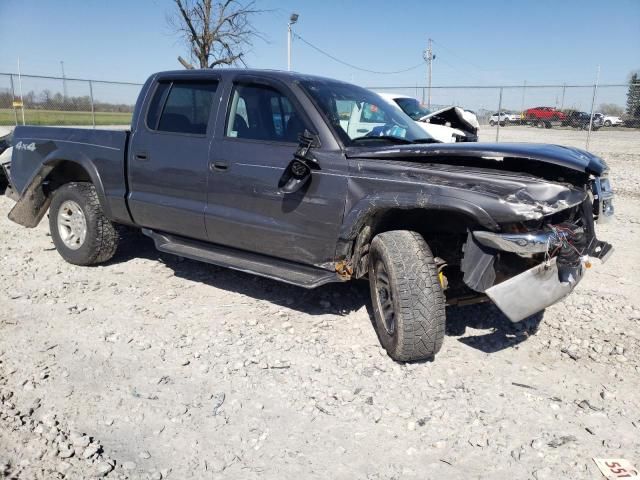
[529, 266]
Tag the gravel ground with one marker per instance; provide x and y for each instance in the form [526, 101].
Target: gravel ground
[156, 367]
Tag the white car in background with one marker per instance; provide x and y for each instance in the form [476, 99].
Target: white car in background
[447, 125]
[5, 157]
[610, 120]
[505, 118]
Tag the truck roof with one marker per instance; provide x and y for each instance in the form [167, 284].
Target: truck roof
[282, 75]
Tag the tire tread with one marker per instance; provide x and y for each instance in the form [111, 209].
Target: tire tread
[103, 244]
[421, 319]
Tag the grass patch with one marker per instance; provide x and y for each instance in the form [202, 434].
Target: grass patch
[56, 117]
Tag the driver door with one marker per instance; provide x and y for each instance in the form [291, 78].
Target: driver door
[255, 140]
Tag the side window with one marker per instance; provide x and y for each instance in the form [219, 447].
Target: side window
[157, 102]
[186, 109]
[259, 112]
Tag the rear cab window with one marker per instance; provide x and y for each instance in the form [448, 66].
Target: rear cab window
[182, 106]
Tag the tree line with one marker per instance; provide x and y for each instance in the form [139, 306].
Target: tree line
[48, 100]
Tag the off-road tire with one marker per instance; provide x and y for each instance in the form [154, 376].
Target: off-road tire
[101, 240]
[415, 293]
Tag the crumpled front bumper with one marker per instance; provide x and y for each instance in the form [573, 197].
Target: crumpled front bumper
[533, 290]
[531, 243]
[536, 288]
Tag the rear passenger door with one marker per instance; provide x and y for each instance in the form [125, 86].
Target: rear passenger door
[168, 157]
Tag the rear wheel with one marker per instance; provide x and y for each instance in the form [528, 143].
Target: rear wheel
[80, 231]
[408, 301]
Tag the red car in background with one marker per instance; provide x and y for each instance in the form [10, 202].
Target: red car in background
[543, 116]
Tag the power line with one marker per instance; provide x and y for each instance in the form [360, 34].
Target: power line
[460, 58]
[335, 59]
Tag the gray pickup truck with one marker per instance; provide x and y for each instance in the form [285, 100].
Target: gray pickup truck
[255, 170]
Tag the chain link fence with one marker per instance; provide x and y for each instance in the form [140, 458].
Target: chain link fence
[571, 108]
[41, 100]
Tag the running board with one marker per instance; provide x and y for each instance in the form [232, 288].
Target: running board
[277, 269]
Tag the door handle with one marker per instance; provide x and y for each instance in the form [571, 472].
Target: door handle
[362, 130]
[142, 156]
[219, 166]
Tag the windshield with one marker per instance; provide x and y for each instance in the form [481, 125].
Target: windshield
[412, 107]
[361, 117]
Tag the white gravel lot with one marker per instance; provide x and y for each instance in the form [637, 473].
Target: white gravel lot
[156, 367]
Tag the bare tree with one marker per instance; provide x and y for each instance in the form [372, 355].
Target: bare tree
[611, 109]
[217, 32]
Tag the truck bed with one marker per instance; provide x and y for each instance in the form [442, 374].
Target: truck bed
[34, 147]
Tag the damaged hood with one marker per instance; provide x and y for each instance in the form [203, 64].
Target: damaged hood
[567, 157]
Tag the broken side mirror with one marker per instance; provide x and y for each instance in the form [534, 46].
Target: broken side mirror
[298, 172]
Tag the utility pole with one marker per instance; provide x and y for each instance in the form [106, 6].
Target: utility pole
[593, 105]
[292, 19]
[429, 58]
[64, 81]
[20, 85]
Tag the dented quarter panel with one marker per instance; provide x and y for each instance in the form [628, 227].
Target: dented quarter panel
[99, 152]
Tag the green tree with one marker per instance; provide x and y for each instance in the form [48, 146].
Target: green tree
[633, 96]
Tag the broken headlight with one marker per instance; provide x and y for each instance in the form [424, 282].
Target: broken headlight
[602, 199]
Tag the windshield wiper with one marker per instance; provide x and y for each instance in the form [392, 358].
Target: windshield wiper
[383, 137]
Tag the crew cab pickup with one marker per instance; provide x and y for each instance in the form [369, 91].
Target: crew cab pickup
[253, 170]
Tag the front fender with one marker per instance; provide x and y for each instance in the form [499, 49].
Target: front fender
[372, 205]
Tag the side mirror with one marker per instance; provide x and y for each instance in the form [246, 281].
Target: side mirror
[296, 175]
[298, 172]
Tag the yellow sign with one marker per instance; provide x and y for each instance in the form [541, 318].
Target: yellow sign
[17, 104]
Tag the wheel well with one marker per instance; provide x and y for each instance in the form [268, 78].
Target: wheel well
[34, 201]
[65, 172]
[445, 231]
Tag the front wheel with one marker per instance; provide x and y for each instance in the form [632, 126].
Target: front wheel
[607, 123]
[492, 123]
[79, 229]
[408, 301]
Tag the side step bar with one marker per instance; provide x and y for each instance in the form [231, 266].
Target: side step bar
[277, 269]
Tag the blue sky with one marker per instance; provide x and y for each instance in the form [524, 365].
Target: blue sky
[477, 42]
